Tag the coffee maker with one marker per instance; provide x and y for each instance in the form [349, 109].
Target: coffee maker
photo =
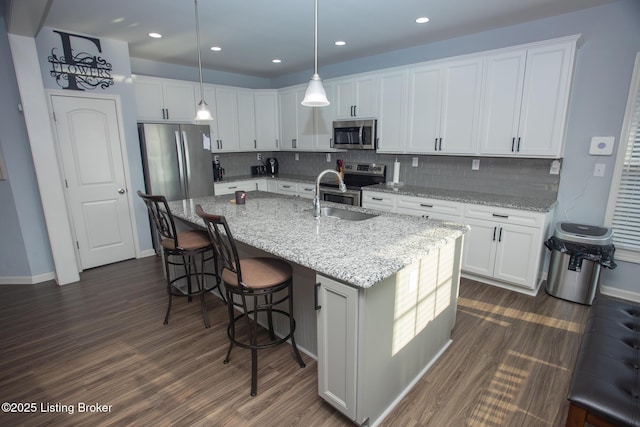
[218, 171]
[272, 166]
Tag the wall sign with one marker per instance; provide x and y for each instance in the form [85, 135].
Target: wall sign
[79, 70]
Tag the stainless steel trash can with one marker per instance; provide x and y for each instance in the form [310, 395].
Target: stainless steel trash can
[577, 253]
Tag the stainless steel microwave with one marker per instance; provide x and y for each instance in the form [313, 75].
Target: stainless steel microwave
[354, 134]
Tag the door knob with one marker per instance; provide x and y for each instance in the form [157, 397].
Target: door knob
[121, 190]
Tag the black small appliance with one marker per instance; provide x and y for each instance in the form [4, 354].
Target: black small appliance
[258, 170]
[272, 166]
[218, 171]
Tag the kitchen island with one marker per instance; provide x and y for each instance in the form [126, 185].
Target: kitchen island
[375, 300]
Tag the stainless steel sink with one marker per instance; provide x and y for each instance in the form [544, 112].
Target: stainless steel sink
[345, 214]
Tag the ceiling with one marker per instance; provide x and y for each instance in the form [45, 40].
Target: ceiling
[253, 32]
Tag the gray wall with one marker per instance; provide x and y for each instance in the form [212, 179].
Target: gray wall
[24, 246]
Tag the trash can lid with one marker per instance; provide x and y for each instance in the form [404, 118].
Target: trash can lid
[582, 233]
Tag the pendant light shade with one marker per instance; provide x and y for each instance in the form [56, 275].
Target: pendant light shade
[202, 110]
[315, 96]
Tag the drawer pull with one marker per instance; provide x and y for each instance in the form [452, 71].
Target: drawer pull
[231, 188]
[500, 216]
[425, 205]
[286, 186]
[377, 198]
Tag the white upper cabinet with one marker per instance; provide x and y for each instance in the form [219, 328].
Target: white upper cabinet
[223, 102]
[324, 117]
[525, 100]
[392, 112]
[164, 99]
[246, 120]
[444, 104]
[266, 119]
[356, 97]
[296, 121]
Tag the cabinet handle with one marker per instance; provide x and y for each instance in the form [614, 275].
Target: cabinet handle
[500, 216]
[376, 198]
[255, 144]
[316, 306]
[425, 205]
[293, 143]
[163, 114]
[494, 233]
[513, 143]
[435, 145]
[518, 148]
[231, 188]
[167, 110]
[277, 142]
[440, 145]
[286, 186]
[500, 235]
[355, 110]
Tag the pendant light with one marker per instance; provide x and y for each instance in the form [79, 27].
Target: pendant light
[315, 96]
[202, 110]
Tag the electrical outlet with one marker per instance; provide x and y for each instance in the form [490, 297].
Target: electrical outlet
[414, 162]
[555, 168]
[328, 157]
[598, 170]
[259, 156]
[475, 164]
[216, 158]
[297, 156]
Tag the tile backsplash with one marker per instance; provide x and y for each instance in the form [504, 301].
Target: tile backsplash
[504, 176]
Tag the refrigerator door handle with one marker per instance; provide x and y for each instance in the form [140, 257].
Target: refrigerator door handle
[180, 163]
[187, 161]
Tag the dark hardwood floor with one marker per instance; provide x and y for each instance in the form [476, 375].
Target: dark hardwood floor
[102, 341]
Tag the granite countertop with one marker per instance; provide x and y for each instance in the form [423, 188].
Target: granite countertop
[361, 253]
[487, 199]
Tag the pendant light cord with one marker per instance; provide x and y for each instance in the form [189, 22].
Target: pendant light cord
[199, 56]
[315, 52]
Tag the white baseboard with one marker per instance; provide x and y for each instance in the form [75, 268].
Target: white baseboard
[620, 293]
[147, 252]
[27, 280]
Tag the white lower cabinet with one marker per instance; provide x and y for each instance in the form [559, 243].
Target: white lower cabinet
[380, 201]
[222, 188]
[429, 208]
[337, 317]
[505, 247]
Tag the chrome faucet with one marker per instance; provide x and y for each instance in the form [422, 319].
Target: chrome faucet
[316, 197]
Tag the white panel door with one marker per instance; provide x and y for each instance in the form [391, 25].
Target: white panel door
[90, 147]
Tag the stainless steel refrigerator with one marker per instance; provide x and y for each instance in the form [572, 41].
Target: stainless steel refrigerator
[176, 160]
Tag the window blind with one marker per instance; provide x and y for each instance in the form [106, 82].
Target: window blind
[625, 215]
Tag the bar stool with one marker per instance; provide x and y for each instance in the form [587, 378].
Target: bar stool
[259, 286]
[182, 249]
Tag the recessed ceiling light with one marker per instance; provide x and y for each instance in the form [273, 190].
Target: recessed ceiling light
[276, 60]
[340, 43]
[422, 20]
[216, 48]
[155, 35]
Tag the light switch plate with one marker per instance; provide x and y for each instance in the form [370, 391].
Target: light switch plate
[414, 162]
[598, 170]
[602, 145]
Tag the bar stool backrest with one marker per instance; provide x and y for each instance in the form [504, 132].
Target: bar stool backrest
[161, 216]
[225, 247]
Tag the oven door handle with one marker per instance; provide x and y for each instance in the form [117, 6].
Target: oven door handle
[360, 133]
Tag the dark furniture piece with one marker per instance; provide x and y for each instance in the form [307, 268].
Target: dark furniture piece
[605, 388]
[255, 288]
[183, 250]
